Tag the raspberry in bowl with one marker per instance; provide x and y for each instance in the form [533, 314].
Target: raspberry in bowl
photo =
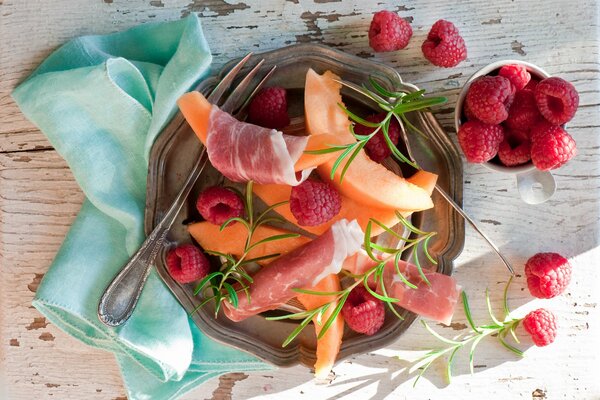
[530, 109]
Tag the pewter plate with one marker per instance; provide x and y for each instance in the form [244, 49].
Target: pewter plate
[174, 153]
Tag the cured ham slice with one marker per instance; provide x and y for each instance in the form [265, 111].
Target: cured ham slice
[303, 267]
[244, 152]
[436, 302]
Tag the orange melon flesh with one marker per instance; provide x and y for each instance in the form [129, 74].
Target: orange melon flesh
[196, 110]
[274, 193]
[329, 345]
[232, 239]
[366, 181]
[425, 180]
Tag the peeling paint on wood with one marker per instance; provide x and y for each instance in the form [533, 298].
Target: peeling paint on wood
[37, 278]
[218, 7]
[38, 323]
[52, 385]
[226, 384]
[517, 47]
[14, 343]
[492, 21]
[47, 337]
[538, 394]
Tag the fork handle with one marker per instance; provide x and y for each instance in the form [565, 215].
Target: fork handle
[122, 294]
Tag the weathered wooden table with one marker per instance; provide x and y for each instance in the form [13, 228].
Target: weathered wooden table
[39, 198]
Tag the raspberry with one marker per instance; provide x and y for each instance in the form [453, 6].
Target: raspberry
[552, 148]
[269, 108]
[532, 84]
[539, 129]
[187, 263]
[511, 156]
[362, 312]
[467, 112]
[541, 325]
[388, 32]
[480, 141]
[314, 203]
[516, 74]
[489, 98]
[516, 137]
[523, 112]
[217, 204]
[444, 46]
[548, 275]
[376, 147]
[557, 100]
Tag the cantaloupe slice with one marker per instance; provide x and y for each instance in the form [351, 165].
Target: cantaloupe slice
[274, 193]
[196, 110]
[366, 181]
[329, 345]
[232, 239]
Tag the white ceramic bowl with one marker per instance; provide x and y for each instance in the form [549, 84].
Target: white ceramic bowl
[534, 186]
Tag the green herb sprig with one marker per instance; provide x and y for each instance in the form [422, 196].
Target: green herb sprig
[376, 271]
[396, 105]
[220, 285]
[497, 328]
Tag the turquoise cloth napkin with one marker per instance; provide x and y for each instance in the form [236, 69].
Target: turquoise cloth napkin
[102, 101]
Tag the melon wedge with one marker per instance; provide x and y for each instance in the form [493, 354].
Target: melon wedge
[196, 110]
[329, 345]
[366, 181]
[274, 193]
[232, 239]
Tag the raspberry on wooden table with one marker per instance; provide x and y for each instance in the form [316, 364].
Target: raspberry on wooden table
[548, 275]
[489, 98]
[552, 148]
[523, 112]
[389, 32]
[377, 148]
[314, 203]
[541, 325]
[363, 312]
[557, 100]
[480, 141]
[186, 263]
[218, 204]
[516, 74]
[269, 108]
[444, 46]
[467, 112]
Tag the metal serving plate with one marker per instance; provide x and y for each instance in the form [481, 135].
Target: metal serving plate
[177, 147]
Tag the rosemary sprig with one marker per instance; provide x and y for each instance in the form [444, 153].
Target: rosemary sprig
[396, 105]
[382, 255]
[497, 328]
[221, 284]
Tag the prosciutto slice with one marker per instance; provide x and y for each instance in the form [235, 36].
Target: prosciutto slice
[301, 268]
[436, 302]
[243, 152]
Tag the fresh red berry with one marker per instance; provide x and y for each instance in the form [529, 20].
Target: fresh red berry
[523, 112]
[269, 108]
[363, 312]
[187, 263]
[540, 128]
[444, 46]
[314, 203]
[218, 204]
[377, 148]
[515, 137]
[468, 113]
[541, 325]
[532, 84]
[480, 141]
[552, 148]
[557, 100]
[489, 99]
[516, 74]
[388, 32]
[512, 156]
[548, 275]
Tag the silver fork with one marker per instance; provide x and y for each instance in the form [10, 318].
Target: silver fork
[122, 294]
[441, 191]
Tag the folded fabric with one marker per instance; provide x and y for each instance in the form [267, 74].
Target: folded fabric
[102, 101]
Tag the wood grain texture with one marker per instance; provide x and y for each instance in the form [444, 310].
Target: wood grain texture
[39, 199]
